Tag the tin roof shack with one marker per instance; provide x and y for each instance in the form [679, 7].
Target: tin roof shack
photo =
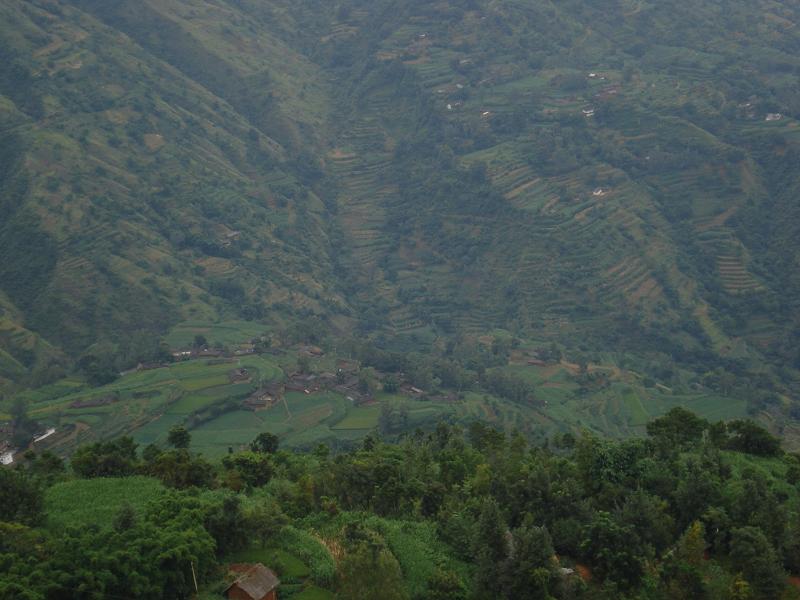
[255, 582]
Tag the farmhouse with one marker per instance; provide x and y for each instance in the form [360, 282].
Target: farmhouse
[265, 397]
[255, 582]
[773, 117]
[274, 388]
[210, 352]
[326, 379]
[237, 375]
[313, 351]
[302, 383]
[410, 390]
[599, 192]
[258, 401]
[588, 112]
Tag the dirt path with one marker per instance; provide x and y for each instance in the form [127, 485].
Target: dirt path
[288, 412]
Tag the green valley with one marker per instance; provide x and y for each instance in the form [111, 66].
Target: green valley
[336, 222]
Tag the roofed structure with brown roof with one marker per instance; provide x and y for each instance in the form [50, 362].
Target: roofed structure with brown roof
[256, 582]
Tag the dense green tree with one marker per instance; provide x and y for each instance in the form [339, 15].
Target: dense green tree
[21, 498]
[446, 585]
[748, 437]
[698, 489]
[614, 551]
[125, 519]
[529, 571]
[226, 523]
[490, 549]
[99, 365]
[47, 467]
[178, 468]
[116, 458]
[22, 425]
[369, 570]
[649, 517]
[265, 520]
[179, 437]
[255, 469]
[754, 556]
[265, 443]
[677, 428]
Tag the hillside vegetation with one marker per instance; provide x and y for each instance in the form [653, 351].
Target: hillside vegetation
[695, 511]
[617, 177]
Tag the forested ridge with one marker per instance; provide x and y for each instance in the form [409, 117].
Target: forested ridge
[696, 510]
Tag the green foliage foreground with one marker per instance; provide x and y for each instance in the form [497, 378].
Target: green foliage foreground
[695, 511]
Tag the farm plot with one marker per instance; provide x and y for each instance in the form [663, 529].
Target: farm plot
[360, 417]
[146, 404]
[205, 397]
[226, 332]
[83, 502]
[307, 421]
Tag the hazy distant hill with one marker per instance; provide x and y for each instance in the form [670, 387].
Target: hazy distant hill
[621, 176]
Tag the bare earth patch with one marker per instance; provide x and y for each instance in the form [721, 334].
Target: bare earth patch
[153, 141]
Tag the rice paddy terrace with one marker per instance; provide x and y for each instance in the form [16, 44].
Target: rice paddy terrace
[617, 190]
[221, 401]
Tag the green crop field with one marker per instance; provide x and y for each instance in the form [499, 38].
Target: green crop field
[361, 417]
[225, 332]
[86, 502]
[146, 404]
[310, 419]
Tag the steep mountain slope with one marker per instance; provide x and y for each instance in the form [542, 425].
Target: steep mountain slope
[621, 164]
[607, 175]
[135, 196]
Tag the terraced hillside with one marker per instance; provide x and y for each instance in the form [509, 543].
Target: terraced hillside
[570, 196]
[611, 177]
